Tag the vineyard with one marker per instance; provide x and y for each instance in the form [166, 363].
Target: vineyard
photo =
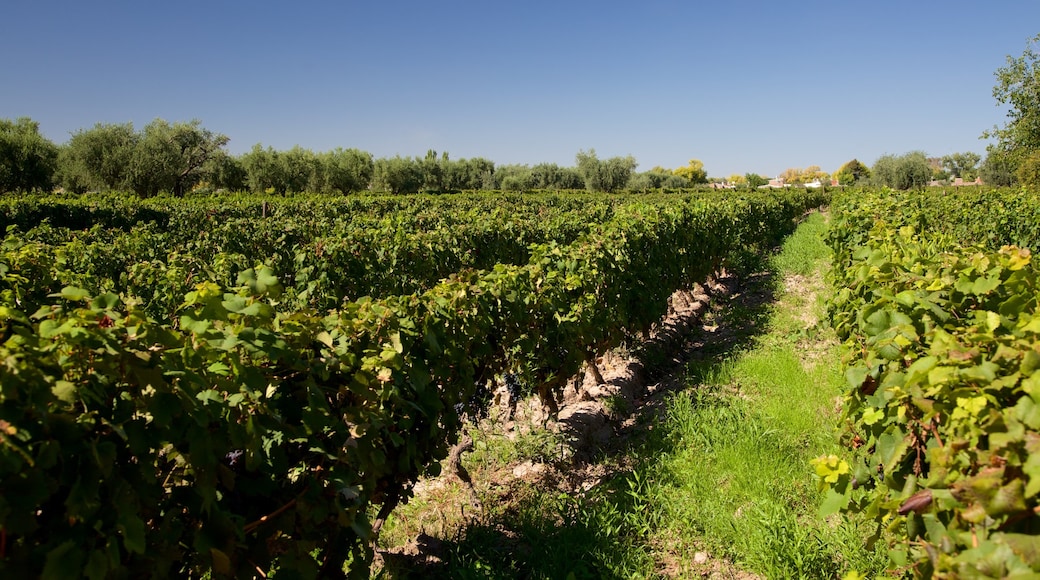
[250, 386]
[243, 386]
[936, 300]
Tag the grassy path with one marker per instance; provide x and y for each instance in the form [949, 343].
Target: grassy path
[733, 493]
[716, 483]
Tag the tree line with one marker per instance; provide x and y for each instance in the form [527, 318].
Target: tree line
[181, 157]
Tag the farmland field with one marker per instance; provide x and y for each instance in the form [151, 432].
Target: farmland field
[241, 386]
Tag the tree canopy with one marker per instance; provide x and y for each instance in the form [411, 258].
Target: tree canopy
[27, 158]
[907, 171]
[851, 172]
[1018, 88]
[963, 165]
[693, 172]
[607, 175]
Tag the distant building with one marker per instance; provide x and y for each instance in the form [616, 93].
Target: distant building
[957, 182]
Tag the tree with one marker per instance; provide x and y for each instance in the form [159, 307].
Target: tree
[609, 175]
[433, 171]
[851, 172]
[963, 165]
[223, 171]
[28, 160]
[791, 175]
[755, 180]
[171, 157]
[693, 172]
[398, 175]
[300, 170]
[97, 158]
[799, 176]
[996, 169]
[476, 173]
[162, 157]
[1029, 170]
[514, 177]
[345, 170]
[264, 170]
[908, 171]
[1018, 86]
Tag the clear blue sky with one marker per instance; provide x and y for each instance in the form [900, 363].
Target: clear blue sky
[744, 86]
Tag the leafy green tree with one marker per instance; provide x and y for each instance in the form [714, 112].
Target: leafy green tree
[609, 175]
[1018, 87]
[907, 171]
[345, 170]
[300, 170]
[224, 171]
[693, 172]
[552, 176]
[1029, 170]
[28, 160]
[963, 165]
[851, 172]
[656, 178]
[996, 168]
[398, 175]
[755, 180]
[433, 170]
[514, 177]
[264, 170]
[97, 158]
[171, 157]
[475, 173]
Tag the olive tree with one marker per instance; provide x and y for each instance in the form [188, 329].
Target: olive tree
[345, 170]
[608, 175]
[97, 158]
[397, 175]
[907, 171]
[963, 165]
[171, 157]
[264, 169]
[28, 160]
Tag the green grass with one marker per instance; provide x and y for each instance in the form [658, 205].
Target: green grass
[735, 479]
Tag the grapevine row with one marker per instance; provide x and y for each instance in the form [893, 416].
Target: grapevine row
[241, 436]
[941, 343]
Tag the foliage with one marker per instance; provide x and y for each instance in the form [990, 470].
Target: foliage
[171, 158]
[907, 171]
[963, 165]
[608, 175]
[98, 158]
[655, 179]
[997, 168]
[28, 160]
[755, 180]
[851, 172]
[1029, 170]
[397, 175]
[941, 344]
[240, 434]
[226, 172]
[162, 157]
[693, 172]
[1018, 87]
